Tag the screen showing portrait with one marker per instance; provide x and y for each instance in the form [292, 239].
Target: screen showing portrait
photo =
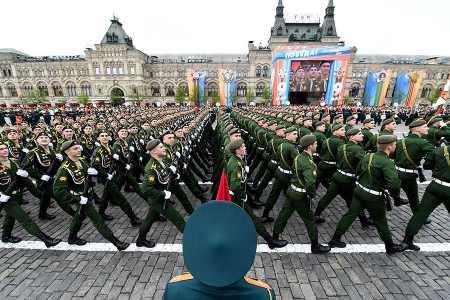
[309, 76]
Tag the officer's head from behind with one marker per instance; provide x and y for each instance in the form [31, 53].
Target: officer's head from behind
[354, 135]
[387, 144]
[237, 147]
[72, 149]
[419, 127]
[217, 256]
[309, 143]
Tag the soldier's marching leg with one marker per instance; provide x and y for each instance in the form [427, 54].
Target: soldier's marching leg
[194, 187]
[410, 186]
[332, 192]
[268, 176]
[104, 202]
[281, 184]
[118, 199]
[346, 194]
[261, 171]
[181, 196]
[46, 197]
[75, 227]
[283, 217]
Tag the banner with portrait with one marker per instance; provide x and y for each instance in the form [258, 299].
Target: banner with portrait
[407, 88]
[306, 69]
[377, 85]
[227, 86]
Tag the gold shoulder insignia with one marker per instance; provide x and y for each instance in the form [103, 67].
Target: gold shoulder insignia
[97, 158]
[62, 178]
[151, 179]
[314, 173]
[257, 282]
[238, 175]
[182, 277]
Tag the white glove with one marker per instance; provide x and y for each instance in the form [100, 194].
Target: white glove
[50, 145]
[185, 166]
[140, 158]
[247, 169]
[97, 144]
[28, 140]
[116, 156]
[83, 200]
[4, 198]
[173, 169]
[442, 124]
[128, 167]
[45, 178]
[22, 173]
[131, 148]
[245, 199]
[151, 137]
[110, 177]
[141, 141]
[25, 150]
[92, 172]
[178, 176]
[59, 156]
[167, 195]
[186, 148]
[178, 154]
[81, 148]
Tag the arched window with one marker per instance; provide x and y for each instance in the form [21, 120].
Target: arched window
[184, 87]
[258, 71]
[169, 90]
[426, 91]
[212, 89]
[71, 89]
[242, 90]
[57, 89]
[11, 89]
[155, 89]
[260, 89]
[42, 88]
[27, 89]
[86, 89]
[265, 72]
[354, 91]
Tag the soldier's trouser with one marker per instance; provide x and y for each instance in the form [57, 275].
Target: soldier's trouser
[191, 183]
[261, 171]
[281, 184]
[47, 194]
[434, 195]
[346, 192]
[409, 185]
[15, 212]
[153, 213]
[181, 196]
[255, 162]
[88, 210]
[129, 179]
[260, 229]
[300, 203]
[113, 195]
[377, 210]
[194, 168]
[270, 173]
[325, 174]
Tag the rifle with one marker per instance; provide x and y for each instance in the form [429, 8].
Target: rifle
[51, 171]
[388, 200]
[422, 177]
[108, 182]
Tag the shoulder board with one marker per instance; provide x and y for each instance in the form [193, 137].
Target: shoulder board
[257, 282]
[182, 277]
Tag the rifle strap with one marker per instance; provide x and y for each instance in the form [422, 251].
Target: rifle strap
[346, 158]
[329, 148]
[369, 167]
[281, 155]
[296, 172]
[408, 157]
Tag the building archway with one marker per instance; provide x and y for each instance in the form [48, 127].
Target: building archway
[117, 96]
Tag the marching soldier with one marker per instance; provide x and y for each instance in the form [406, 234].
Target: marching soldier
[12, 178]
[237, 178]
[437, 192]
[287, 152]
[368, 125]
[409, 153]
[300, 194]
[71, 187]
[376, 173]
[155, 189]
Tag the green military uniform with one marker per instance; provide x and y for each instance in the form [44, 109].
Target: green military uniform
[70, 183]
[103, 162]
[376, 173]
[437, 192]
[327, 164]
[300, 193]
[409, 152]
[368, 135]
[343, 180]
[287, 152]
[156, 180]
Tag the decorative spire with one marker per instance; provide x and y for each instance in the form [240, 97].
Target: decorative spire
[280, 9]
[329, 26]
[116, 34]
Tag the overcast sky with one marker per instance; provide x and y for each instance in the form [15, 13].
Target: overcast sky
[51, 27]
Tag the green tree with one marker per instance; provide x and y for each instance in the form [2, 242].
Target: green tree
[117, 100]
[267, 95]
[136, 97]
[434, 95]
[250, 96]
[347, 100]
[179, 95]
[36, 97]
[83, 99]
[215, 97]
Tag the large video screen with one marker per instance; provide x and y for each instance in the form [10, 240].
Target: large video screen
[309, 76]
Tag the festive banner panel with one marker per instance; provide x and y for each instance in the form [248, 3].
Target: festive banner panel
[227, 86]
[196, 85]
[407, 88]
[376, 88]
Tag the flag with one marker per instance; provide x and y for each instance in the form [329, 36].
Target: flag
[223, 193]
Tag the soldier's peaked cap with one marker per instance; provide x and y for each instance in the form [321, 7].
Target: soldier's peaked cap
[152, 144]
[235, 144]
[387, 139]
[221, 253]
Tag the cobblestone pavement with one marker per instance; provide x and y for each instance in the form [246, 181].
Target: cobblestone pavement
[50, 274]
